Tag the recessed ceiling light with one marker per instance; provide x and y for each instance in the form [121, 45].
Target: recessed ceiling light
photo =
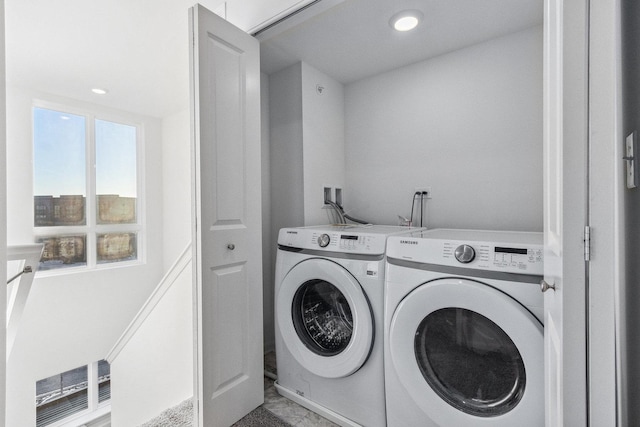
[99, 91]
[406, 20]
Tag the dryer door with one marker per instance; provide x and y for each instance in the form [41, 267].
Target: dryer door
[324, 318]
[466, 352]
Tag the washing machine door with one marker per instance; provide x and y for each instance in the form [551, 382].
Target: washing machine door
[325, 318]
[468, 354]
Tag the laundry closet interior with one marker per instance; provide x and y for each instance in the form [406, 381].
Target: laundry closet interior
[453, 107]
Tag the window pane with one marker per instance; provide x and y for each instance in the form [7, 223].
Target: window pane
[104, 381]
[113, 247]
[59, 156]
[61, 395]
[116, 182]
[63, 251]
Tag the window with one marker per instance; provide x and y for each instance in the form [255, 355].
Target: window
[79, 392]
[86, 186]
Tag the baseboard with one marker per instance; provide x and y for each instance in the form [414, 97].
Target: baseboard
[314, 407]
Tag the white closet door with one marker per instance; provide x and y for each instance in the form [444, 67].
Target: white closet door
[227, 210]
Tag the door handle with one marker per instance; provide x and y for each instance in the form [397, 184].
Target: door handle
[231, 246]
[544, 286]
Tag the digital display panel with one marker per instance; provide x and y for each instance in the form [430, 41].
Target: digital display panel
[347, 237]
[510, 250]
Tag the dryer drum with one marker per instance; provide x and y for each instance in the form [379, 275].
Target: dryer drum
[322, 317]
[470, 362]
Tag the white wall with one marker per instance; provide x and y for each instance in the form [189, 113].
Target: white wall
[267, 243]
[307, 144]
[154, 371]
[286, 166]
[468, 124]
[176, 185]
[71, 319]
[323, 141]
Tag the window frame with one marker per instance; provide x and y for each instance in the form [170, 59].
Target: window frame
[95, 409]
[92, 229]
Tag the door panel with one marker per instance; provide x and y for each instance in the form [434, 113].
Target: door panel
[230, 304]
[565, 213]
[227, 211]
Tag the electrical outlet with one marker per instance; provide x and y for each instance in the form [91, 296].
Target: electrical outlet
[421, 189]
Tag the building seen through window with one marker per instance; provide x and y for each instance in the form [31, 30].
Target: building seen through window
[85, 189]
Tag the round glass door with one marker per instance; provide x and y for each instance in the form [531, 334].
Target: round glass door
[470, 362]
[322, 317]
[464, 351]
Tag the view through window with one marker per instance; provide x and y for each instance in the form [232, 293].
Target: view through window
[72, 392]
[85, 189]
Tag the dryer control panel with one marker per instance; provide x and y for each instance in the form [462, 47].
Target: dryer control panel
[492, 256]
[509, 252]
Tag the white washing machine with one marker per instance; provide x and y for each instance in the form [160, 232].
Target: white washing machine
[329, 303]
[463, 329]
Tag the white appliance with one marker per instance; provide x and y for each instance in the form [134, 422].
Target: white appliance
[463, 329]
[329, 304]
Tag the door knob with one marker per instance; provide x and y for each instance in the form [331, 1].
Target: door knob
[544, 286]
[231, 246]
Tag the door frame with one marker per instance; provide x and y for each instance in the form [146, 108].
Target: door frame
[606, 192]
[3, 215]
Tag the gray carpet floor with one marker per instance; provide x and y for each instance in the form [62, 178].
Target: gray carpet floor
[178, 416]
[181, 416]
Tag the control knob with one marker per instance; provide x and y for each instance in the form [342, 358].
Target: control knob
[324, 240]
[465, 254]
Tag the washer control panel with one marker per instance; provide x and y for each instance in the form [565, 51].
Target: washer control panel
[509, 252]
[365, 240]
[344, 242]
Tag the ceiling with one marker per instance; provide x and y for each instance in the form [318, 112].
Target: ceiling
[355, 40]
[138, 49]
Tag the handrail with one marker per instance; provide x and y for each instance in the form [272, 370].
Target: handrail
[25, 270]
[18, 291]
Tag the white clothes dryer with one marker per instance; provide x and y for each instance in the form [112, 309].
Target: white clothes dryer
[463, 329]
[329, 303]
